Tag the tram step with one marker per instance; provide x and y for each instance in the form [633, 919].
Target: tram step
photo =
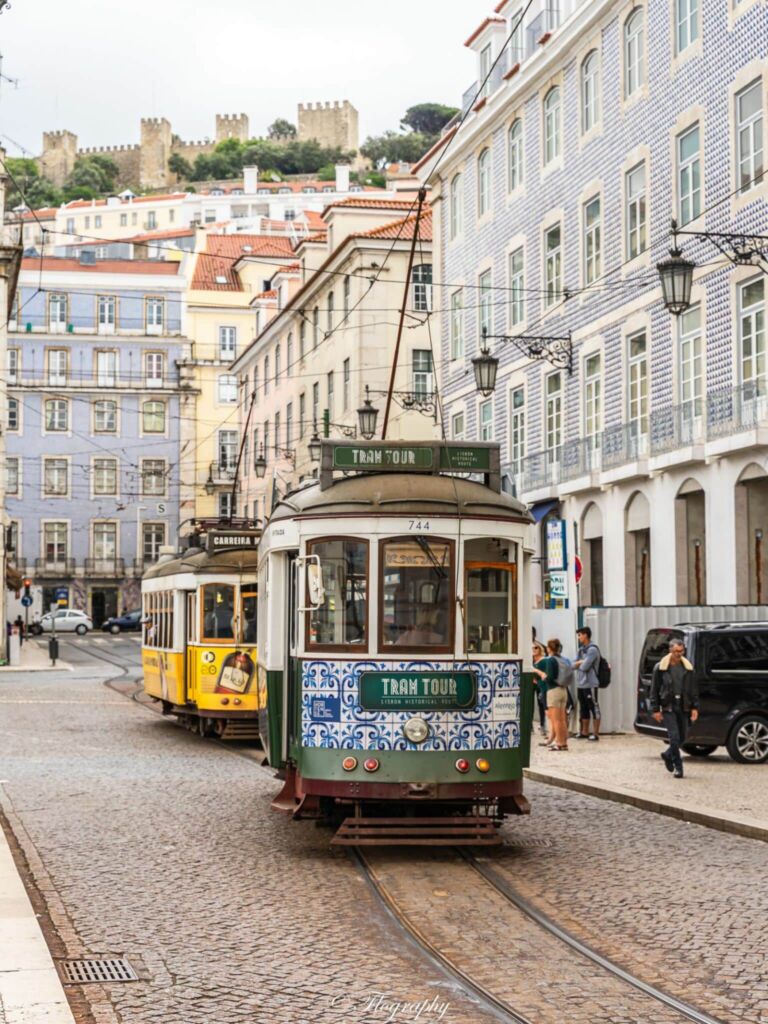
[453, 831]
[241, 730]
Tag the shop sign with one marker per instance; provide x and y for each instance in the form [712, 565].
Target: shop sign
[557, 554]
[417, 691]
[558, 586]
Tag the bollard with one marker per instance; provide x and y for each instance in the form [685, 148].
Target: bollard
[53, 649]
[14, 647]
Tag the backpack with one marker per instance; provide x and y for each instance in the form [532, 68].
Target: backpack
[564, 672]
[603, 673]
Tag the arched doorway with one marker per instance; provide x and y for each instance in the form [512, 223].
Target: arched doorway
[751, 498]
[637, 549]
[691, 543]
[592, 556]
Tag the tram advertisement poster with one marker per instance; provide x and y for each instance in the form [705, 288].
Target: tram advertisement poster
[409, 691]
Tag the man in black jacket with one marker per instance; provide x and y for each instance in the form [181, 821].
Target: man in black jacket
[674, 700]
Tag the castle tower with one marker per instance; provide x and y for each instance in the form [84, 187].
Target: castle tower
[232, 126]
[59, 155]
[332, 124]
[156, 141]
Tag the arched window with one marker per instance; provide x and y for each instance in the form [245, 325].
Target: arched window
[457, 217]
[633, 52]
[552, 141]
[484, 182]
[515, 155]
[590, 97]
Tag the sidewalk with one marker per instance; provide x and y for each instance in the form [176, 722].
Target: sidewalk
[716, 791]
[30, 989]
[34, 658]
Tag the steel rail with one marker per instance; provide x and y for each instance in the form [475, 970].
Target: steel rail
[503, 887]
[497, 1007]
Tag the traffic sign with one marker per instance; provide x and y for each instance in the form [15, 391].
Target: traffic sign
[578, 566]
[26, 602]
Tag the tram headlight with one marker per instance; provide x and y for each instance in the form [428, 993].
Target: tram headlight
[416, 730]
[349, 764]
[371, 764]
[462, 765]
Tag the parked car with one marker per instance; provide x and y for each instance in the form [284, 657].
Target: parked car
[125, 623]
[730, 660]
[68, 620]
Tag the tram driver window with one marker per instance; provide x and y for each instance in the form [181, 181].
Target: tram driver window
[218, 611]
[248, 617]
[417, 609]
[491, 596]
[341, 619]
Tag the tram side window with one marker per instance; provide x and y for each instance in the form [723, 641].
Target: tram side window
[248, 616]
[342, 618]
[218, 611]
[417, 600]
[491, 596]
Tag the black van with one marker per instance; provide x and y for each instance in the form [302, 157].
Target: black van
[730, 660]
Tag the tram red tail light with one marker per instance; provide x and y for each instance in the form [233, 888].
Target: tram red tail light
[462, 765]
[482, 765]
[371, 764]
[225, 700]
[349, 764]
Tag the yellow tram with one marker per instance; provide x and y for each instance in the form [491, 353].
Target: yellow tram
[199, 632]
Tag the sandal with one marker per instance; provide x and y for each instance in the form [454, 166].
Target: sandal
[554, 746]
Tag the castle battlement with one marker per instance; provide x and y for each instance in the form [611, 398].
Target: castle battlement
[91, 150]
[155, 121]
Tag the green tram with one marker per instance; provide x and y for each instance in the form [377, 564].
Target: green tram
[393, 616]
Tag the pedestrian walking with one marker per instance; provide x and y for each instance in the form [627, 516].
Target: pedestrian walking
[547, 669]
[674, 701]
[19, 624]
[588, 685]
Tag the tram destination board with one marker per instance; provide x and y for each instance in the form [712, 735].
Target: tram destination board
[417, 691]
[231, 540]
[415, 459]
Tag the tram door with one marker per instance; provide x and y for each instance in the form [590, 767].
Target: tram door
[190, 651]
[293, 665]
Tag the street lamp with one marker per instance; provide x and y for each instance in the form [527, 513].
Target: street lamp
[314, 447]
[486, 367]
[676, 275]
[209, 485]
[260, 464]
[367, 415]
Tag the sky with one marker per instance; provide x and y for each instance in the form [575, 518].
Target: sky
[96, 67]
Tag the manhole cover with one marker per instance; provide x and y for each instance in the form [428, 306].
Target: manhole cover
[80, 971]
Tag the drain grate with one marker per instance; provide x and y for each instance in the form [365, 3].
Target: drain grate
[78, 972]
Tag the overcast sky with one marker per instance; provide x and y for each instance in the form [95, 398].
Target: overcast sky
[97, 66]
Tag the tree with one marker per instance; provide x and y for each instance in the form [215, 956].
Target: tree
[180, 167]
[281, 129]
[428, 118]
[27, 187]
[394, 147]
[90, 177]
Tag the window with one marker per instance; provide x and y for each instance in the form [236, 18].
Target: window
[515, 155]
[302, 340]
[13, 366]
[97, 220]
[491, 599]
[590, 95]
[107, 308]
[227, 343]
[106, 369]
[749, 136]
[226, 505]
[422, 287]
[278, 366]
[56, 415]
[70, 225]
[153, 417]
[745, 654]
[592, 241]
[289, 355]
[154, 366]
[592, 396]
[12, 475]
[266, 441]
[57, 313]
[105, 541]
[329, 313]
[688, 175]
[417, 609]
[457, 325]
[553, 266]
[57, 367]
[151, 220]
[123, 220]
[516, 49]
[13, 414]
[153, 477]
[456, 225]
[315, 402]
[289, 439]
[423, 384]
[55, 477]
[277, 432]
[342, 618]
[457, 426]
[484, 317]
[752, 330]
[329, 379]
[55, 542]
[691, 361]
[517, 426]
[516, 288]
[226, 388]
[345, 385]
[486, 60]
[686, 23]
[155, 315]
[638, 382]
[152, 539]
[228, 449]
[302, 413]
[105, 417]
[266, 375]
[552, 141]
[554, 412]
[105, 476]
[315, 327]
[635, 211]
[486, 420]
[256, 449]
[634, 75]
[484, 182]
[347, 289]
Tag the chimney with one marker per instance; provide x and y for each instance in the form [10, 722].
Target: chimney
[250, 180]
[342, 177]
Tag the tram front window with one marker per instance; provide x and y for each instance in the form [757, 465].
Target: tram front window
[417, 593]
[218, 611]
[491, 598]
[341, 619]
[248, 618]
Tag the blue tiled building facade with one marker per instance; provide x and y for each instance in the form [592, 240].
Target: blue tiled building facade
[93, 436]
[600, 123]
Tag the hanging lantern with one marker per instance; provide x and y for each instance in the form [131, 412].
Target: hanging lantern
[209, 486]
[676, 276]
[367, 415]
[486, 367]
[260, 464]
[314, 447]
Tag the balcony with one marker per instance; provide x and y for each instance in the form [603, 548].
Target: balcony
[59, 567]
[223, 472]
[104, 567]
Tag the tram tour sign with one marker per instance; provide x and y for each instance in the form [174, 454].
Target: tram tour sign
[415, 458]
[417, 691]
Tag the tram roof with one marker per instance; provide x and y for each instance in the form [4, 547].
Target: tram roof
[403, 494]
[203, 563]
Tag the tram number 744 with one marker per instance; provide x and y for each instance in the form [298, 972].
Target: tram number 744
[419, 525]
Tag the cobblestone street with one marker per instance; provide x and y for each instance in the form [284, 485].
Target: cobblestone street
[147, 842]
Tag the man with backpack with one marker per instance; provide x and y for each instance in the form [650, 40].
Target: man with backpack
[588, 665]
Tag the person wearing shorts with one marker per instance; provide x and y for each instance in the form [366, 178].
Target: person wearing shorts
[546, 669]
[587, 685]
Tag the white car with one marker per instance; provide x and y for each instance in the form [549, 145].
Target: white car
[68, 620]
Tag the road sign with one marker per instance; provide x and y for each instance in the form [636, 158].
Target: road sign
[578, 568]
[26, 602]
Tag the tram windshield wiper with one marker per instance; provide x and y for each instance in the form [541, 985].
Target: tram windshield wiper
[436, 565]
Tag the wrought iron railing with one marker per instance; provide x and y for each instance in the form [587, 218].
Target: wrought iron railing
[105, 566]
[55, 566]
[676, 426]
[731, 410]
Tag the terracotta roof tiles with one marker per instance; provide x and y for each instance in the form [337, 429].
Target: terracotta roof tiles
[163, 268]
[215, 271]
